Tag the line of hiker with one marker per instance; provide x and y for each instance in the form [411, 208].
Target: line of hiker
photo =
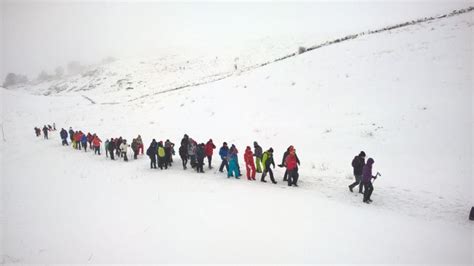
[161, 155]
[363, 176]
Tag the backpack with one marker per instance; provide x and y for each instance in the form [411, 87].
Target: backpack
[161, 152]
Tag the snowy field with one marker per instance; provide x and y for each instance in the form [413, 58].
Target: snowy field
[403, 96]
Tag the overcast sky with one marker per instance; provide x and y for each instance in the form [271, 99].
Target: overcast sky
[37, 35]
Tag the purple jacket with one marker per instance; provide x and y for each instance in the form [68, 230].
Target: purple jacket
[367, 171]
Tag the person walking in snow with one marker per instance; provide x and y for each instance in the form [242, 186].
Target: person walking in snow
[223, 152]
[63, 134]
[84, 142]
[77, 140]
[111, 147]
[233, 165]
[169, 151]
[45, 132]
[123, 149]
[367, 180]
[135, 148]
[106, 147]
[267, 160]
[96, 144]
[37, 131]
[285, 176]
[200, 154]
[183, 153]
[192, 146]
[209, 148]
[140, 144]
[258, 153]
[249, 164]
[152, 152]
[118, 143]
[89, 139]
[161, 156]
[71, 134]
[358, 164]
[291, 163]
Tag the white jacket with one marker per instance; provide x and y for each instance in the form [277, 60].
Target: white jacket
[123, 147]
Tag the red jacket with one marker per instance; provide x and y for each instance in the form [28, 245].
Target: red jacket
[96, 141]
[291, 162]
[77, 137]
[209, 148]
[248, 156]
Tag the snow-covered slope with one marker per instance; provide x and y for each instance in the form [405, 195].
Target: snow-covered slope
[403, 96]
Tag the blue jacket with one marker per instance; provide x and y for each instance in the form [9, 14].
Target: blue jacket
[84, 138]
[223, 152]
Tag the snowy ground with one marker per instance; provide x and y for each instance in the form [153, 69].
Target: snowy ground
[405, 97]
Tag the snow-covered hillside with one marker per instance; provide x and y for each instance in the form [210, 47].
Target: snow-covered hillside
[403, 96]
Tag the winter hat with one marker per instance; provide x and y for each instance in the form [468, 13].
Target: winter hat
[370, 161]
[255, 143]
[225, 144]
[362, 154]
[270, 150]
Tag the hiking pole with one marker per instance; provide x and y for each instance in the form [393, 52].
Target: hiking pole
[378, 174]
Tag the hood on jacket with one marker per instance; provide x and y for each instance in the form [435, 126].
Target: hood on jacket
[370, 161]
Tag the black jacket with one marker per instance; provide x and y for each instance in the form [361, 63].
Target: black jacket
[358, 163]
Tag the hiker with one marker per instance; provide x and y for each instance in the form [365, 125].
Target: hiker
[291, 163]
[249, 164]
[185, 140]
[223, 152]
[118, 143]
[161, 156]
[37, 132]
[45, 132]
[140, 144]
[71, 134]
[183, 153]
[77, 140]
[287, 152]
[200, 154]
[233, 165]
[84, 142]
[112, 148]
[135, 148]
[63, 134]
[367, 180]
[358, 164]
[209, 148]
[89, 139]
[192, 152]
[106, 147]
[54, 126]
[96, 144]
[123, 149]
[258, 152]
[267, 160]
[169, 151]
[152, 152]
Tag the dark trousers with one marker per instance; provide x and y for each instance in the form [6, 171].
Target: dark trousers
[292, 177]
[269, 171]
[112, 154]
[65, 142]
[199, 165]
[97, 150]
[153, 162]
[185, 161]
[124, 155]
[224, 163]
[368, 189]
[106, 152]
[358, 179]
[162, 163]
[193, 160]
[285, 176]
[209, 160]
[135, 154]
[84, 145]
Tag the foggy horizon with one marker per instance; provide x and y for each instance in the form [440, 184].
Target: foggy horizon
[41, 35]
